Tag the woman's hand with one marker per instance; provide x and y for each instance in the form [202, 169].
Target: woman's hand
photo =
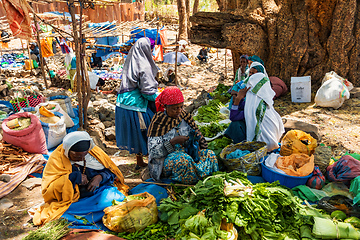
[240, 95]
[94, 183]
[84, 179]
[179, 140]
[233, 93]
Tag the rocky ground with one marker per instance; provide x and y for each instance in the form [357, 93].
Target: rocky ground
[338, 129]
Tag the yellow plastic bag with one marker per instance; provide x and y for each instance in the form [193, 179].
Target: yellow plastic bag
[296, 141]
[299, 165]
[131, 216]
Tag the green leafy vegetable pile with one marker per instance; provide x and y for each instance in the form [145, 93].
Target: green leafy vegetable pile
[221, 93]
[210, 112]
[213, 129]
[158, 231]
[219, 144]
[261, 211]
[53, 230]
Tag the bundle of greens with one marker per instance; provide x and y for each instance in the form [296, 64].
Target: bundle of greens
[158, 231]
[261, 211]
[221, 93]
[210, 112]
[53, 230]
[213, 129]
[219, 144]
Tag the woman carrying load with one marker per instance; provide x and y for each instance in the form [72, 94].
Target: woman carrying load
[168, 134]
[138, 87]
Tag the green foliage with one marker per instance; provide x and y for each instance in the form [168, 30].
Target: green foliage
[158, 231]
[213, 129]
[219, 144]
[269, 212]
[221, 93]
[210, 112]
[53, 230]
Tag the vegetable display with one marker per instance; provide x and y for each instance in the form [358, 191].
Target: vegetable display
[221, 93]
[219, 144]
[210, 112]
[261, 211]
[213, 129]
[53, 230]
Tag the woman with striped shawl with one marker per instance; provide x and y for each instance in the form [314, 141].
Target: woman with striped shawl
[168, 135]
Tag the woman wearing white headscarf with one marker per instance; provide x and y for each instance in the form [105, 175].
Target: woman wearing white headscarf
[263, 123]
[76, 169]
[138, 87]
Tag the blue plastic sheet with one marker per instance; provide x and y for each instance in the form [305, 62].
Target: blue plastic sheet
[157, 191]
[92, 208]
[170, 58]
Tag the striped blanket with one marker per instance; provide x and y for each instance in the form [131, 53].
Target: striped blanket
[19, 173]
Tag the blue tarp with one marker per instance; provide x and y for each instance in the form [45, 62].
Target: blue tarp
[138, 33]
[170, 58]
[92, 208]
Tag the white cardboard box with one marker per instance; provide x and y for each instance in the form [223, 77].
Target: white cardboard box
[301, 89]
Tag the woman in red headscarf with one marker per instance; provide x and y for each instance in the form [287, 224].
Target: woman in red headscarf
[168, 134]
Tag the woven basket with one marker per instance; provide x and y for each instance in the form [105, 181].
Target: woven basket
[249, 163]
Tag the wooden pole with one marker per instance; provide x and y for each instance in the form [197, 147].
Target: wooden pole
[217, 53]
[41, 55]
[78, 64]
[22, 46]
[31, 62]
[225, 64]
[176, 53]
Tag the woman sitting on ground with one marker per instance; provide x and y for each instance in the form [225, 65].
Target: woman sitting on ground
[76, 169]
[263, 123]
[168, 133]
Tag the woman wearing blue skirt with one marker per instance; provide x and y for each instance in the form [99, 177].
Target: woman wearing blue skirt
[137, 88]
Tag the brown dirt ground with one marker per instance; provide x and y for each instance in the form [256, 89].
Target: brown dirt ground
[340, 129]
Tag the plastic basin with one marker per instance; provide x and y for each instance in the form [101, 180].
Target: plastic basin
[286, 180]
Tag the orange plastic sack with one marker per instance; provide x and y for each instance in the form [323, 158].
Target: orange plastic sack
[296, 141]
[132, 215]
[299, 165]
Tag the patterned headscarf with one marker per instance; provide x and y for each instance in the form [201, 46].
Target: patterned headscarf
[245, 56]
[170, 96]
[255, 58]
[259, 68]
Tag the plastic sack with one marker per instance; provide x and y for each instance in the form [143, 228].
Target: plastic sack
[344, 170]
[65, 104]
[355, 189]
[317, 181]
[54, 132]
[57, 108]
[333, 92]
[339, 202]
[31, 139]
[297, 141]
[132, 216]
[333, 74]
[297, 164]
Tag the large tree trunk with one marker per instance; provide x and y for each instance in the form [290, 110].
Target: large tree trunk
[293, 37]
[183, 23]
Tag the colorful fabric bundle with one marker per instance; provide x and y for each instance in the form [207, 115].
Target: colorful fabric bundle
[317, 181]
[344, 170]
[18, 17]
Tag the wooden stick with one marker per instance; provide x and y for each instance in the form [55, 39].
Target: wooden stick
[176, 52]
[225, 64]
[40, 51]
[167, 184]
